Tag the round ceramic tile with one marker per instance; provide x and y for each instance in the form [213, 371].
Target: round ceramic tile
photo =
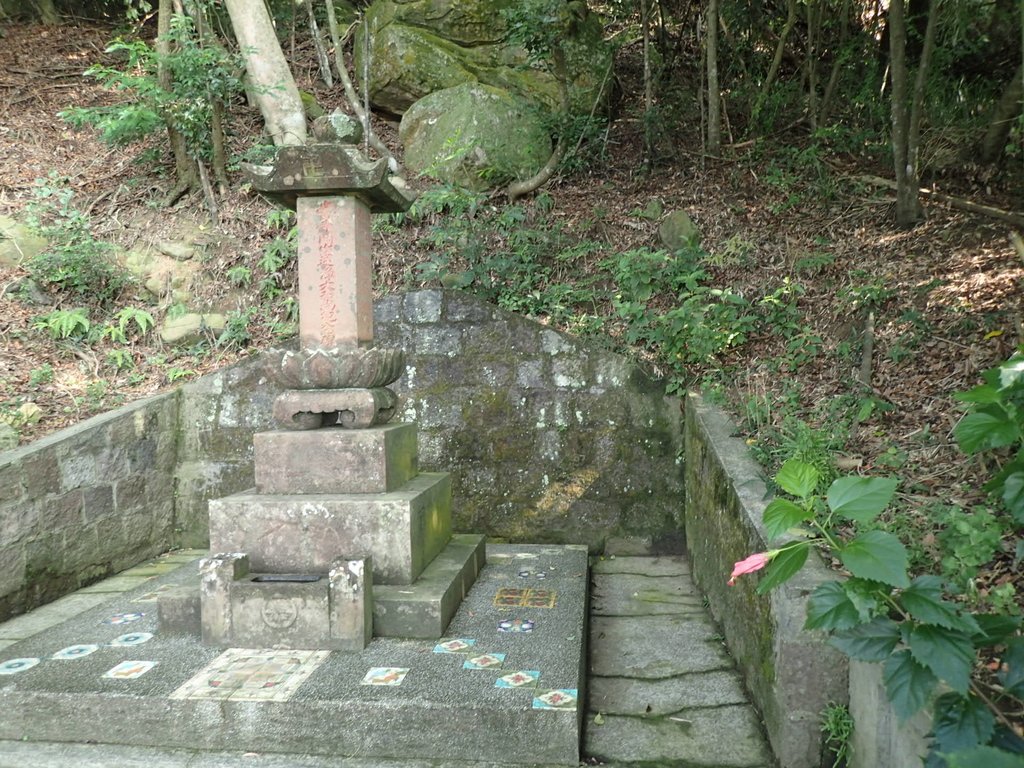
[132, 638]
[14, 666]
[74, 652]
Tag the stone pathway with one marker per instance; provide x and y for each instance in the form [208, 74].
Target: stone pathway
[662, 688]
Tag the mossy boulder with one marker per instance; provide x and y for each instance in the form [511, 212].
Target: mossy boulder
[474, 135]
[418, 47]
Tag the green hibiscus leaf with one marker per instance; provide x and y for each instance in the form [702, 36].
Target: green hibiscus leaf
[830, 608]
[988, 427]
[984, 757]
[1011, 668]
[923, 600]
[780, 515]
[1013, 495]
[861, 499]
[982, 394]
[877, 556]
[946, 652]
[960, 723]
[797, 478]
[907, 683]
[783, 567]
[873, 641]
[994, 629]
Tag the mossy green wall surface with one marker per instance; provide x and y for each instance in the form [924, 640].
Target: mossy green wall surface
[791, 674]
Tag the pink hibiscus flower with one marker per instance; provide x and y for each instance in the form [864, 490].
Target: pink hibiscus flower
[753, 563]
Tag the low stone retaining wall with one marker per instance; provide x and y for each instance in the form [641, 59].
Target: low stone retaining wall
[86, 502]
[791, 674]
[548, 439]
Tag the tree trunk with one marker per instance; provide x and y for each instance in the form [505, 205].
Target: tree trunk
[814, 13]
[184, 166]
[907, 109]
[47, 12]
[645, 25]
[773, 70]
[837, 63]
[714, 95]
[273, 85]
[1005, 112]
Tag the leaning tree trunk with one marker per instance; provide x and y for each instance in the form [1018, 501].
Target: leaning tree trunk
[184, 166]
[714, 96]
[272, 83]
[773, 70]
[908, 109]
[1005, 112]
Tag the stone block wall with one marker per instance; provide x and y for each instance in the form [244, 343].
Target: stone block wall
[549, 439]
[792, 674]
[86, 502]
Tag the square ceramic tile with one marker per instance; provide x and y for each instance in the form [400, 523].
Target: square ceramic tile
[514, 597]
[385, 676]
[129, 670]
[562, 698]
[241, 674]
[458, 645]
[524, 678]
[123, 618]
[516, 625]
[485, 661]
[152, 597]
[75, 652]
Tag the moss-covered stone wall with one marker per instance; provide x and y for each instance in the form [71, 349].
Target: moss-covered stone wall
[86, 502]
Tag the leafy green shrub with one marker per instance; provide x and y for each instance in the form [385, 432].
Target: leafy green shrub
[75, 263]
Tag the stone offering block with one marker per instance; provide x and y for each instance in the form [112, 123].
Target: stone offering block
[304, 611]
[287, 533]
[374, 460]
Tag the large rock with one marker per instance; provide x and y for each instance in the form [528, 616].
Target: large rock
[418, 47]
[18, 242]
[474, 134]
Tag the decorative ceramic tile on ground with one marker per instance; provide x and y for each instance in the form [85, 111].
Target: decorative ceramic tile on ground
[132, 638]
[485, 661]
[525, 556]
[241, 674]
[499, 558]
[458, 645]
[524, 678]
[129, 670]
[513, 597]
[14, 666]
[152, 597]
[562, 698]
[533, 574]
[123, 618]
[75, 652]
[385, 676]
[516, 625]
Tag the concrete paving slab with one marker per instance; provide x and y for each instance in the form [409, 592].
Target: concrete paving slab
[525, 614]
[119, 583]
[628, 545]
[653, 698]
[716, 737]
[50, 615]
[633, 595]
[643, 566]
[654, 647]
[21, 754]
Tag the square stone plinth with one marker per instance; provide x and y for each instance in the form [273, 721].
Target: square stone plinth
[335, 460]
[401, 531]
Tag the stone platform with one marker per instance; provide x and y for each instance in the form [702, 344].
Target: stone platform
[503, 685]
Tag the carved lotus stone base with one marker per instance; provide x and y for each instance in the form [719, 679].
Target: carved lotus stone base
[349, 408]
[335, 368]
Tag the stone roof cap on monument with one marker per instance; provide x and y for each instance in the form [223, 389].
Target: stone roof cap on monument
[327, 170]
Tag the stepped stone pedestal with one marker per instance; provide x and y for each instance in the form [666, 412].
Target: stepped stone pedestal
[342, 537]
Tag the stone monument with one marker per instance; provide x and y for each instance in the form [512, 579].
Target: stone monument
[342, 538]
